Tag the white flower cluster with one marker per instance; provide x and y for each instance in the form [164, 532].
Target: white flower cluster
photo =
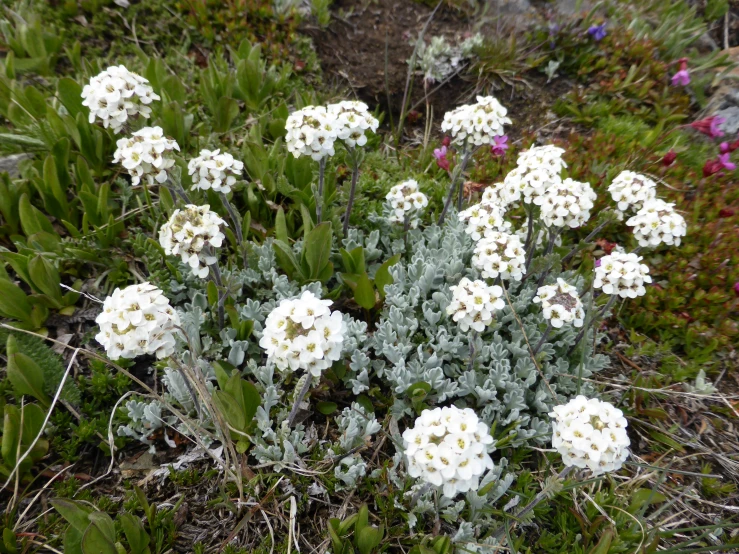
[313, 130]
[213, 170]
[476, 124]
[494, 195]
[630, 190]
[590, 433]
[447, 447]
[354, 120]
[538, 170]
[302, 333]
[135, 321]
[187, 234]
[439, 59]
[622, 274]
[560, 304]
[117, 94]
[474, 303]
[657, 222]
[566, 204]
[147, 154]
[405, 200]
[500, 254]
[484, 218]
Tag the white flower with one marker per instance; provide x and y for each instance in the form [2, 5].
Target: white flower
[500, 254]
[483, 219]
[538, 170]
[302, 333]
[135, 321]
[474, 303]
[494, 195]
[405, 200]
[312, 132]
[353, 120]
[566, 203]
[656, 223]
[213, 170]
[117, 94]
[147, 154]
[476, 124]
[622, 274]
[190, 233]
[448, 448]
[630, 190]
[590, 433]
[560, 304]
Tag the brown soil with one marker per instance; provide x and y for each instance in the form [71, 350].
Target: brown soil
[366, 48]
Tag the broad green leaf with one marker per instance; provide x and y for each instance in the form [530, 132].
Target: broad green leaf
[45, 278]
[25, 374]
[14, 302]
[70, 95]
[230, 409]
[74, 512]
[99, 538]
[327, 408]
[383, 277]
[281, 226]
[317, 249]
[136, 536]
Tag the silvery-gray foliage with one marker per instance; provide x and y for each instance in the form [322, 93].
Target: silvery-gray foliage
[415, 341]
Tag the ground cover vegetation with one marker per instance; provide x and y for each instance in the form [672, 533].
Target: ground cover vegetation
[478, 294]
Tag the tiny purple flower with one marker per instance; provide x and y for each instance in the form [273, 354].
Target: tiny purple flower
[715, 126]
[597, 262]
[440, 153]
[724, 147]
[682, 77]
[598, 32]
[500, 145]
[736, 288]
[726, 162]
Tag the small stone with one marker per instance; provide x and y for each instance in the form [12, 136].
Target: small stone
[10, 164]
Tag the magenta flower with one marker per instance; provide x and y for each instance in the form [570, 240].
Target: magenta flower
[736, 288]
[598, 32]
[726, 162]
[682, 77]
[441, 159]
[499, 146]
[709, 126]
[440, 152]
[597, 262]
[724, 147]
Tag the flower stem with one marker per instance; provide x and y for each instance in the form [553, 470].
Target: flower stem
[542, 339]
[319, 194]
[593, 322]
[216, 275]
[587, 239]
[458, 171]
[299, 399]
[352, 191]
[236, 220]
[473, 338]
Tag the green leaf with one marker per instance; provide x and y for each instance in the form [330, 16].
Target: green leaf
[383, 277]
[99, 538]
[250, 400]
[604, 544]
[664, 439]
[364, 292]
[368, 539]
[136, 536]
[45, 278]
[443, 545]
[226, 111]
[281, 226]
[327, 408]
[317, 249]
[70, 95]
[644, 497]
[223, 372]
[14, 302]
[74, 512]
[287, 260]
[24, 374]
[73, 541]
[230, 409]
[32, 220]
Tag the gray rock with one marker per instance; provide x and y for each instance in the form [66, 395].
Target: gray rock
[11, 163]
[731, 115]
